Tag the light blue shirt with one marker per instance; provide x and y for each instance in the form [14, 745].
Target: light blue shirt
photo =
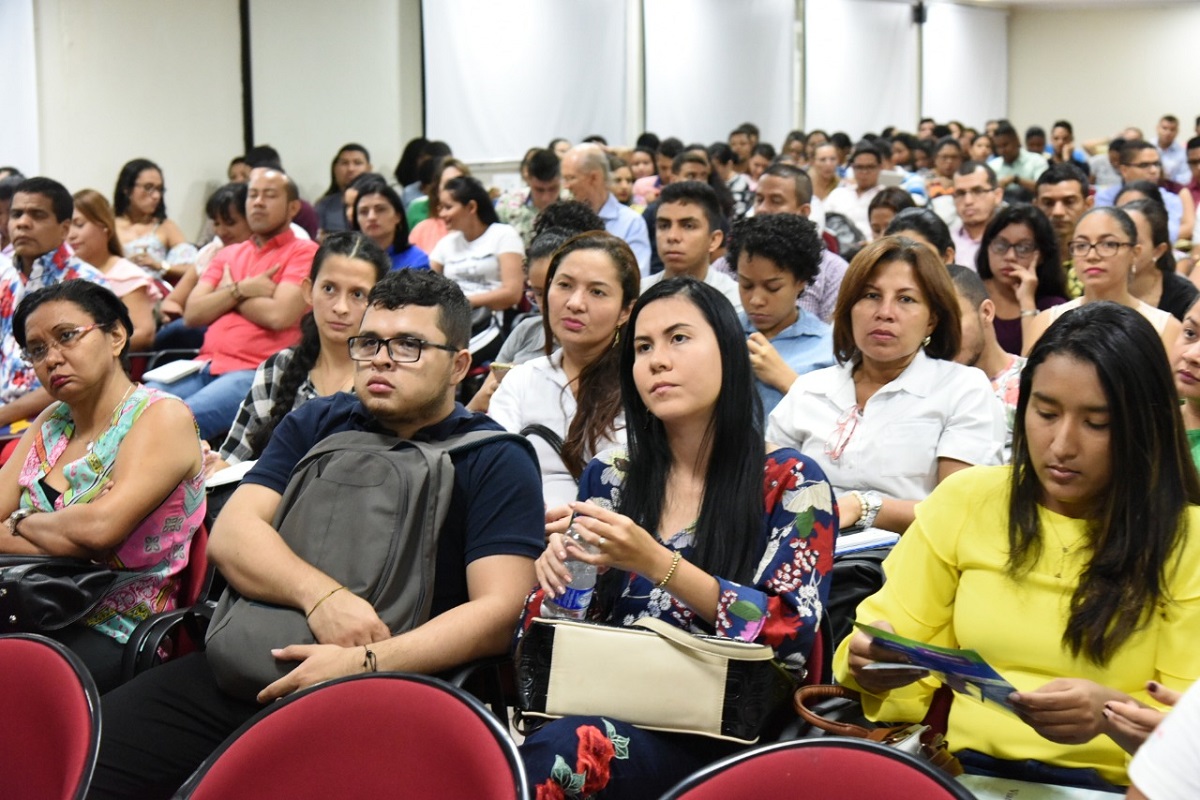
[1107, 195]
[628, 225]
[806, 345]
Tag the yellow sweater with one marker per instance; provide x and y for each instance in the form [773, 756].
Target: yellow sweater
[947, 586]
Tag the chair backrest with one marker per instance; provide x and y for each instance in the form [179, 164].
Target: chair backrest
[196, 577]
[804, 769]
[50, 712]
[372, 735]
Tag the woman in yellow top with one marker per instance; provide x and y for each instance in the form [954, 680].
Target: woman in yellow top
[1071, 572]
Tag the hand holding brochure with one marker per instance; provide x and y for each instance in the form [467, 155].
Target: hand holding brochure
[964, 671]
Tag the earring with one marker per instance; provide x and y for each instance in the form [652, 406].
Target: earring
[616, 337]
[925, 341]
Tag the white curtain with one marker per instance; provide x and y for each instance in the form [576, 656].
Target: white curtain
[860, 66]
[714, 64]
[502, 76]
[965, 64]
[18, 88]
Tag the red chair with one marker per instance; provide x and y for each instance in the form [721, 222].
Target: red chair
[370, 736]
[808, 769]
[49, 720]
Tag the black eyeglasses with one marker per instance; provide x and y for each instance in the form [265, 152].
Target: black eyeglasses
[401, 349]
[1022, 249]
[1079, 248]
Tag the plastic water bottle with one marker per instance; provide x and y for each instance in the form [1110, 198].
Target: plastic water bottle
[574, 602]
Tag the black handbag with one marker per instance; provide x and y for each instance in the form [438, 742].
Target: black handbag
[48, 593]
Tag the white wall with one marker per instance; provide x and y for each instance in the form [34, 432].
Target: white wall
[18, 88]
[964, 68]
[1104, 68]
[323, 76]
[120, 79]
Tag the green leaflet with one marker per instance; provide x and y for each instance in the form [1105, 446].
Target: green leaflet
[744, 609]
[620, 743]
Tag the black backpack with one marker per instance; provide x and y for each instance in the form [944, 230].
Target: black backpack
[366, 509]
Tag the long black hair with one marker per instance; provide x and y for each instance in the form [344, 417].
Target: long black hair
[1139, 522]
[350, 244]
[127, 179]
[373, 183]
[731, 510]
[352, 147]
[1052, 279]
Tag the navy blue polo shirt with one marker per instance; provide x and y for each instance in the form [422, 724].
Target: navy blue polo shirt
[496, 507]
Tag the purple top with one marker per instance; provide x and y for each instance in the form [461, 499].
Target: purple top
[1008, 331]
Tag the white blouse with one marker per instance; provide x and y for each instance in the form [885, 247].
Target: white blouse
[934, 409]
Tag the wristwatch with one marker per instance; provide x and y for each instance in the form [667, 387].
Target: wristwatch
[870, 501]
[15, 518]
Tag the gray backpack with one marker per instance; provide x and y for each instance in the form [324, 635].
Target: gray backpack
[367, 510]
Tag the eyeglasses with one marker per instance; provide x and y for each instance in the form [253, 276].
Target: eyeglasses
[63, 340]
[846, 425]
[1079, 248]
[401, 349]
[1022, 249]
[151, 188]
[977, 192]
[1193, 162]
[1146, 165]
[865, 167]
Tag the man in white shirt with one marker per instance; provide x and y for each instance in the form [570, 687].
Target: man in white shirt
[1174, 157]
[688, 232]
[977, 195]
[585, 176]
[852, 201]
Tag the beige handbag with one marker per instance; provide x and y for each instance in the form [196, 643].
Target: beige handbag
[652, 675]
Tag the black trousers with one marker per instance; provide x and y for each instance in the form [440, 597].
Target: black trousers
[100, 653]
[159, 727]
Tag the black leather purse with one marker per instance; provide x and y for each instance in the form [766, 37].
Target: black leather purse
[47, 593]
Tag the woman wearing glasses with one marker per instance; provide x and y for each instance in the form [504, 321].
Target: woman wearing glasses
[1105, 248]
[151, 240]
[1019, 263]
[897, 415]
[344, 270]
[110, 473]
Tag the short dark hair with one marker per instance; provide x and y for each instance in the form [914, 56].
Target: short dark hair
[414, 153]
[1005, 128]
[948, 141]
[464, 189]
[423, 287]
[968, 168]
[1061, 173]
[1035, 130]
[104, 307]
[572, 216]
[350, 147]
[670, 147]
[721, 153]
[1155, 213]
[969, 284]
[264, 155]
[697, 193]
[792, 242]
[690, 157]
[799, 178]
[60, 199]
[1131, 148]
[925, 222]
[1062, 123]
[1193, 142]
[647, 140]
[841, 140]
[930, 274]
[1146, 189]
[892, 197]
[543, 165]
[126, 180]
[1169, 118]
[223, 201]
[766, 150]
[866, 148]
[8, 187]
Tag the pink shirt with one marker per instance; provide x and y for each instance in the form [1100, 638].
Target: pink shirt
[427, 233]
[233, 342]
[125, 276]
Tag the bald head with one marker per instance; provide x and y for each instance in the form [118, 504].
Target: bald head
[585, 174]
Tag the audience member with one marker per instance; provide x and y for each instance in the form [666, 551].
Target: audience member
[897, 416]
[1140, 161]
[238, 170]
[38, 223]
[980, 349]
[620, 183]
[777, 257]
[1192, 185]
[884, 207]
[688, 231]
[939, 188]
[108, 473]
[1154, 279]
[93, 237]
[648, 186]
[1105, 248]
[1035, 140]
[724, 163]
[226, 211]
[575, 391]
[379, 213]
[742, 142]
[411, 355]
[1074, 582]
[519, 207]
[151, 240]
[416, 152]
[977, 195]
[428, 232]
[251, 301]
[852, 201]
[585, 175]
[1062, 148]
[703, 531]
[925, 227]
[1019, 265]
[1062, 195]
[980, 149]
[1185, 364]
[1103, 166]
[304, 223]
[8, 186]
[350, 162]
[823, 174]
[344, 270]
[480, 253]
[761, 158]
[1171, 150]
[795, 149]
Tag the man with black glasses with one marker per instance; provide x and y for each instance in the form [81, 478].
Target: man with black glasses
[977, 195]
[411, 354]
